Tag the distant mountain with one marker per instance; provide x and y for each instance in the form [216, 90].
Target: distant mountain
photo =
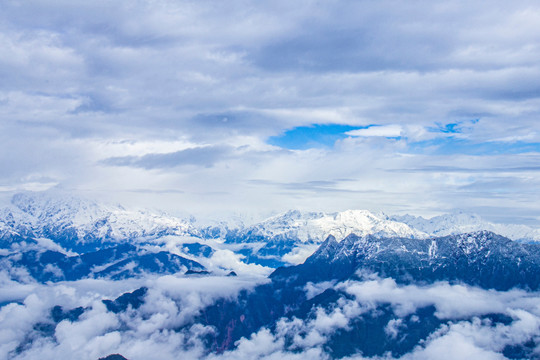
[316, 226]
[460, 222]
[80, 224]
[62, 222]
[118, 262]
[482, 259]
[296, 231]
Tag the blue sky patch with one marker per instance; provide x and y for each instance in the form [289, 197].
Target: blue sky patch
[453, 128]
[313, 136]
[450, 128]
[454, 146]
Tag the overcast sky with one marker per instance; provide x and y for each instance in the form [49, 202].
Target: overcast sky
[211, 107]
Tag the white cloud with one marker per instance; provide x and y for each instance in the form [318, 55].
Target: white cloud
[88, 81]
[451, 301]
[393, 328]
[93, 324]
[314, 289]
[384, 130]
[299, 254]
[227, 259]
[454, 346]
[172, 302]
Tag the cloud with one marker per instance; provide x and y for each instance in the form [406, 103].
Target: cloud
[452, 346]
[93, 324]
[204, 87]
[451, 301]
[299, 254]
[163, 323]
[386, 131]
[477, 338]
[199, 156]
[170, 303]
[228, 259]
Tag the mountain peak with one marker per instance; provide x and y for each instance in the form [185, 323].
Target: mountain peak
[73, 220]
[468, 258]
[326, 251]
[316, 226]
[459, 222]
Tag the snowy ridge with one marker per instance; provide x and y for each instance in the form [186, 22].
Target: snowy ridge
[13, 221]
[480, 258]
[316, 226]
[459, 223]
[51, 215]
[68, 220]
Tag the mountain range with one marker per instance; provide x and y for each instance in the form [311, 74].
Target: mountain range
[71, 225]
[317, 285]
[76, 222]
[481, 259]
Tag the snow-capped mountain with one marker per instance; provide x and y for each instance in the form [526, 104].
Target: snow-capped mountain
[314, 227]
[60, 215]
[377, 286]
[480, 258]
[67, 223]
[459, 223]
[74, 222]
[292, 236]
[437, 266]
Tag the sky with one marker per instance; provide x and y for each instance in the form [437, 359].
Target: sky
[213, 108]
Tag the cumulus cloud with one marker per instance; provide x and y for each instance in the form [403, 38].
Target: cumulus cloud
[477, 338]
[163, 324]
[227, 259]
[451, 301]
[299, 254]
[170, 303]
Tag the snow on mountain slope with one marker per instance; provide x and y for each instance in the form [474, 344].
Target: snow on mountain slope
[459, 223]
[73, 220]
[14, 222]
[316, 226]
[480, 258]
[57, 215]
[290, 237]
